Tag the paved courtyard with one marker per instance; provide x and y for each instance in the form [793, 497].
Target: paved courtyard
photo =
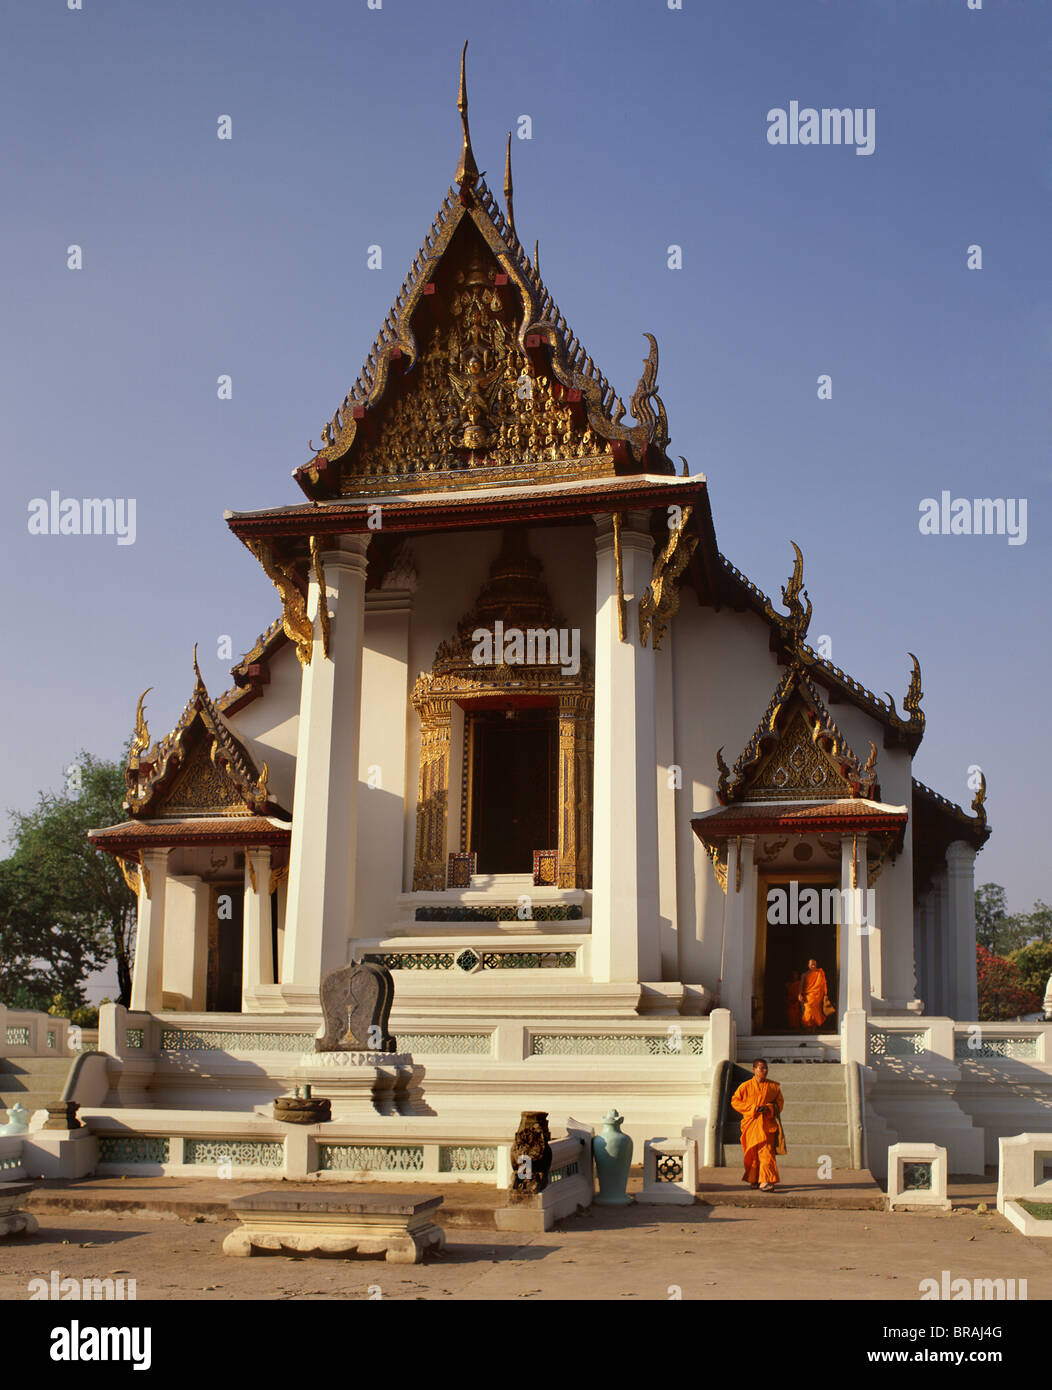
[701, 1252]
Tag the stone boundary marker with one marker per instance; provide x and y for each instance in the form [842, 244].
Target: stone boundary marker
[366, 1223]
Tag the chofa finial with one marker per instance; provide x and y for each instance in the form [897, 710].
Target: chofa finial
[508, 190]
[467, 175]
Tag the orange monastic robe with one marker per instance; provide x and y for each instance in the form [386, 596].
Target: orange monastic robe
[814, 989]
[759, 1132]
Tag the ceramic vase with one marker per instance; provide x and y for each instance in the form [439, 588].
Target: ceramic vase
[613, 1159]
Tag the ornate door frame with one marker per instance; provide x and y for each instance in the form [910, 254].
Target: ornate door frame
[433, 697]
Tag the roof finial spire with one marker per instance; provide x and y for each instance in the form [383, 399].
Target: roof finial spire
[467, 174]
[537, 256]
[508, 190]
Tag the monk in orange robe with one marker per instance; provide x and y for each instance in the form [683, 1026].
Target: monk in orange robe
[792, 1000]
[813, 993]
[759, 1102]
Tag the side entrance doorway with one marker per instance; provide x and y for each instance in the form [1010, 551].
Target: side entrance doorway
[798, 921]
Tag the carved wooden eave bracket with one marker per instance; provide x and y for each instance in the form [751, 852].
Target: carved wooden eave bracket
[660, 600]
[235, 786]
[298, 627]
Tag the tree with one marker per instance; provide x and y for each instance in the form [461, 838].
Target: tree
[1034, 963]
[65, 909]
[1002, 992]
[995, 928]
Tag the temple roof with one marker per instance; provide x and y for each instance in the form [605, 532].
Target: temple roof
[788, 630]
[200, 769]
[475, 377]
[943, 821]
[130, 837]
[800, 817]
[796, 749]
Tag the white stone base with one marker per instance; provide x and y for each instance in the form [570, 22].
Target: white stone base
[658, 1191]
[1023, 1221]
[371, 1224]
[901, 1154]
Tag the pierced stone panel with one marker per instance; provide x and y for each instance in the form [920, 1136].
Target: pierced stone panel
[995, 1047]
[468, 960]
[133, 1037]
[467, 1044]
[132, 1149]
[17, 1037]
[241, 1153]
[617, 1044]
[454, 1158]
[897, 1044]
[375, 1158]
[188, 1040]
[669, 1168]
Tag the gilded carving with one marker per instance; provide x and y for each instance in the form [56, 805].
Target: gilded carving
[796, 751]
[323, 600]
[297, 625]
[514, 594]
[660, 600]
[478, 402]
[131, 873]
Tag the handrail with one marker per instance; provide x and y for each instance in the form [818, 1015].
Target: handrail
[856, 1117]
[713, 1146]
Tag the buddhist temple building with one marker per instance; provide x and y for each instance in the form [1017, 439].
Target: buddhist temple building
[523, 734]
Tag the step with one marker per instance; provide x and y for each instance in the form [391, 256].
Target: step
[34, 1066]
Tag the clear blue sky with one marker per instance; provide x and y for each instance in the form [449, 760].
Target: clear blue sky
[248, 257]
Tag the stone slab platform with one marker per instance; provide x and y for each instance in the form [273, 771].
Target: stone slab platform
[391, 1224]
[13, 1220]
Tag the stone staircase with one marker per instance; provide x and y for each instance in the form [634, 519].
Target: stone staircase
[34, 1082]
[815, 1114]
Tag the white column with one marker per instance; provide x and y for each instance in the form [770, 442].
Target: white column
[945, 953]
[186, 939]
[323, 854]
[740, 959]
[382, 770]
[854, 937]
[147, 994]
[625, 942]
[960, 884]
[669, 799]
[257, 954]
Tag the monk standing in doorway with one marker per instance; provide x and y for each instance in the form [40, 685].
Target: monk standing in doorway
[759, 1102]
[813, 993]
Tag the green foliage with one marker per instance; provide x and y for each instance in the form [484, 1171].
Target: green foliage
[65, 909]
[1034, 963]
[1002, 932]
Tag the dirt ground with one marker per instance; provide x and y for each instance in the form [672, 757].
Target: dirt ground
[700, 1252]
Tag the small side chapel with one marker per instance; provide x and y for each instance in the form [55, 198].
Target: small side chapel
[523, 733]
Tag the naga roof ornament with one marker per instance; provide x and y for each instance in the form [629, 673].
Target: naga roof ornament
[788, 630]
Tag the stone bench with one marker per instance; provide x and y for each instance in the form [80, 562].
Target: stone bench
[361, 1223]
[13, 1221]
